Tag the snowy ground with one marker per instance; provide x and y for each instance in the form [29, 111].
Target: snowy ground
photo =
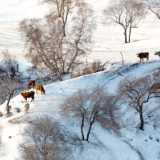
[108, 41]
[130, 145]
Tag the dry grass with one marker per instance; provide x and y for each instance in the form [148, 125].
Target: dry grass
[92, 68]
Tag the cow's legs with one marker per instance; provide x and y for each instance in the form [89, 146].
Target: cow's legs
[143, 60]
[148, 58]
[140, 60]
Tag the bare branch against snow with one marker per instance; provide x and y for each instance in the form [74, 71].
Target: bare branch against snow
[126, 13]
[137, 92]
[91, 106]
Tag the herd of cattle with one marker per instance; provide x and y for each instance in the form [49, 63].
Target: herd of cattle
[30, 94]
[31, 84]
[143, 55]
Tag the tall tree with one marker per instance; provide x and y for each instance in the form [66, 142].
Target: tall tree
[137, 92]
[90, 106]
[11, 79]
[47, 46]
[126, 13]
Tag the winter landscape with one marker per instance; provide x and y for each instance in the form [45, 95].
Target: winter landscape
[103, 106]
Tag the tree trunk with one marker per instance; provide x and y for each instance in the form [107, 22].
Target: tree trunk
[40, 76]
[125, 35]
[51, 77]
[8, 107]
[58, 75]
[76, 54]
[141, 118]
[129, 36]
[64, 19]
[82, 124]
[89, 130]
[64, 32]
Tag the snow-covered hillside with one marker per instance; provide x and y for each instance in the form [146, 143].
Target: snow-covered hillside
[108, 41]
[131, 143]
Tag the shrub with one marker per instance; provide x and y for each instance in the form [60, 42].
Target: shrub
[45, 140]
[94, 67]
[18, 110]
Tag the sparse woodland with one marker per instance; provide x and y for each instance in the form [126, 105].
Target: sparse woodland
[55, 46]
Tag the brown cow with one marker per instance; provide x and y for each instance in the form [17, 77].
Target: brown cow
[31, 84]
[28, 95]
[40, 87]
[155, 86]
[143, 55]
[158, 53]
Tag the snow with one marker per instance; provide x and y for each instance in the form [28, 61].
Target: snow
[131, 143]
[108, 144]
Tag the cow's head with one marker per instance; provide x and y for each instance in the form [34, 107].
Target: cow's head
[157, 53]
[43, 91]
[137, 54]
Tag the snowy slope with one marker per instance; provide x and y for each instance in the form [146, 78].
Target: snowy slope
[131, 143]
[103, 144]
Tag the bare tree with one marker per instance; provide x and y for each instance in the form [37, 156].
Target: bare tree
[50, 49]
[154, 7]
[63, 9]
[44, 140]
[83, 25]
[126, 13]
[137, 92]
[91, 107]
[11, 78]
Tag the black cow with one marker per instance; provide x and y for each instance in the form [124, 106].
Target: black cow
[143, 55]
